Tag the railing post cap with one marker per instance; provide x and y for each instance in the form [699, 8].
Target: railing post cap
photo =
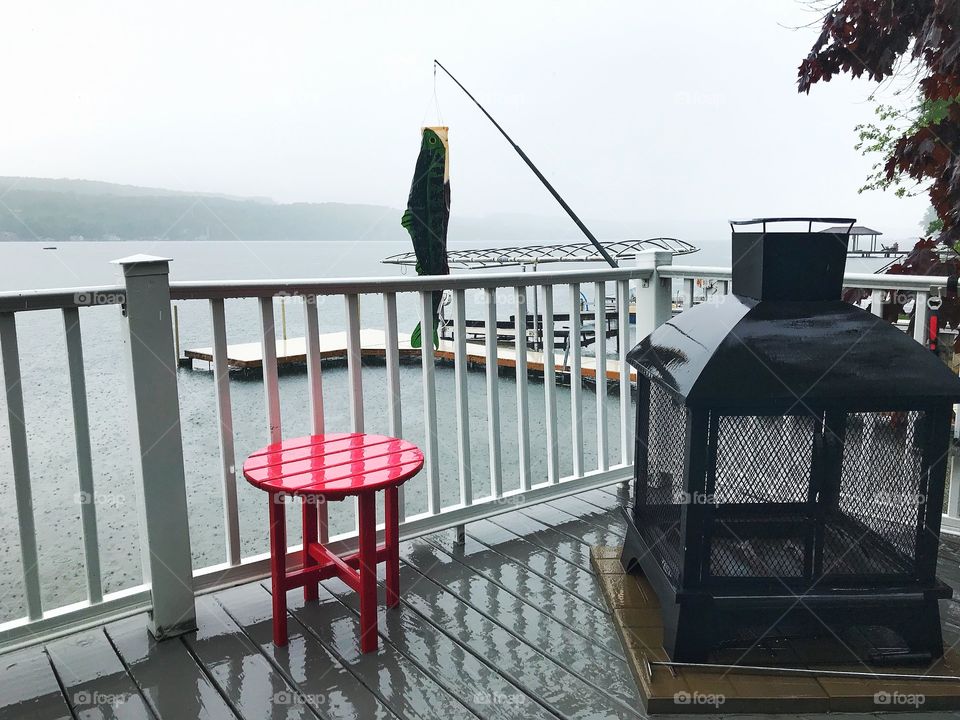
[653, 258]
[141, 264]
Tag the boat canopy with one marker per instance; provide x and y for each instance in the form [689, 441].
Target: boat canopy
[474, 259]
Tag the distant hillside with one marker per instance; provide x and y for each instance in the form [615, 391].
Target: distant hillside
[41, 209]
[96, 187]
[62, 210]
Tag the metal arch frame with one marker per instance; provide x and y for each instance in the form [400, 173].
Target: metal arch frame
[539, 254]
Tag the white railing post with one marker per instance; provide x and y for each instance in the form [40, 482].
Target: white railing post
[623, 328]
[16, 418]
[688, 290]
[394, 408]
[427, 361]
[550, 386]
[271, 380]
[600, 370]
[462, 397]
[523, 410]
[81, 433]
[148, 337]
[920, 318]
[576, 380]
[493, 393]
[654, 296]
[228, 471]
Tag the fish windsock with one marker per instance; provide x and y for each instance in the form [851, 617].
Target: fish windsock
[427, 215]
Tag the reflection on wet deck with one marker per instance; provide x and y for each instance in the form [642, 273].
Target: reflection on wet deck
[511, 624]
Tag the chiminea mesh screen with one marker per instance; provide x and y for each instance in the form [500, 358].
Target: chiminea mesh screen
[881, 494]
[660, 510]
[763, 459]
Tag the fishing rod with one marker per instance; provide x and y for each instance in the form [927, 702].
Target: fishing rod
[529, 162]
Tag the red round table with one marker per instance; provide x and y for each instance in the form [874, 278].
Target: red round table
[322, 468]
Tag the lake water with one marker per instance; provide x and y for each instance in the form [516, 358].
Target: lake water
[50, 427]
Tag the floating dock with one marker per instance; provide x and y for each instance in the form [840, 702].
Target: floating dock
[333, 346]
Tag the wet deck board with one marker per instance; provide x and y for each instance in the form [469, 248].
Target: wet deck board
[233, 663]
[402, 686]
[29, 688]
[471, 677]
[503, 626]
[173, 684]
[320, 677]
[565, 576]
[517, 580]
[527, 664]
[94, 679]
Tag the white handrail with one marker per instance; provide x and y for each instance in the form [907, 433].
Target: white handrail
[867, 281]
[59, 298]
[190, 290]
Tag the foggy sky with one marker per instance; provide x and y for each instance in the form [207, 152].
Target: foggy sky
[670, 116]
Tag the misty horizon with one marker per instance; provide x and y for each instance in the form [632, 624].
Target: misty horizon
[667, 119]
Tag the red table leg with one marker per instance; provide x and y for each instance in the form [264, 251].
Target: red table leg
[278, 566]
[309, 502]
[392, 541]
[368, 572]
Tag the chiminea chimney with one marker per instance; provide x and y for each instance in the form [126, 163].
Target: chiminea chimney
[784, 266]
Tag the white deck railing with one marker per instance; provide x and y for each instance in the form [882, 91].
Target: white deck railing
[170, 583]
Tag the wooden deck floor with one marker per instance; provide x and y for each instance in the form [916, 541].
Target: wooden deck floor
[510, 625]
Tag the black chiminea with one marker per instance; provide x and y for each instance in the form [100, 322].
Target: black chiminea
[790, 463]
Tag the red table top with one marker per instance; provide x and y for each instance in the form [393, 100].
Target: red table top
[333, 465]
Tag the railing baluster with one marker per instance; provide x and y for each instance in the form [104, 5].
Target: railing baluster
[228, 474]
[392, 352]
[354, 365]
[81, 431]
[523, 410]
[315, 515]
[355, 373]
[600, 366]
[576, 382]
[429, 402]
[493, 394]
[688, 286]
[550, 386]
[462, 396]
[623, 327]
[876, 303]
[920, 318]
[311, 325]
[21, 464]
[271, 382]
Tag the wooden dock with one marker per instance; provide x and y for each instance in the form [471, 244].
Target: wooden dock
[333, 346]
